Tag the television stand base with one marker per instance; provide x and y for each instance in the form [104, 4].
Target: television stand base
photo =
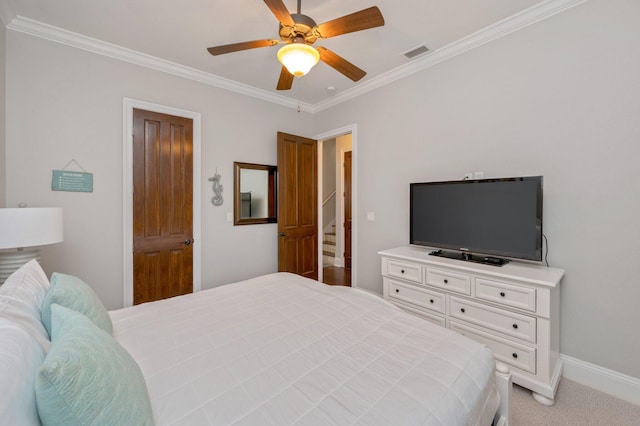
[468, 257]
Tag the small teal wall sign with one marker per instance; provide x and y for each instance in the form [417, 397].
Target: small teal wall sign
[72, 181]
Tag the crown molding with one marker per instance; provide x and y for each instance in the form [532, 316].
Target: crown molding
[62, 36]
[7, 13]
[506, 26]
[501, 28]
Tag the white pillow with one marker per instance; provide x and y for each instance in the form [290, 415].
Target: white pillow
[21, 298]
[20, 357]
[23, 343]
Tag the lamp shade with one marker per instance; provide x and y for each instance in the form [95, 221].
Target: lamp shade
[29, 227]
[298, 58]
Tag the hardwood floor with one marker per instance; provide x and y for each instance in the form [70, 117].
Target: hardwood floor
[333, 275]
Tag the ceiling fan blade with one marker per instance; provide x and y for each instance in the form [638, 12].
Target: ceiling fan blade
[286, 79]
[340, 64]
[235, 47]
[358, 21]
[280, 11]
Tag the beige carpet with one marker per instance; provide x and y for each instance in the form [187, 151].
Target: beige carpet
[575, 405]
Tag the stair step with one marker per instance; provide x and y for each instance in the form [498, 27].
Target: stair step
[328, 253]
[328, 242]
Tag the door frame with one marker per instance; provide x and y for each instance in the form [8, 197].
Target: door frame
[127, 193]
[353, 130]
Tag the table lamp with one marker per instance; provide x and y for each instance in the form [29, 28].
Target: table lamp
[22, 231]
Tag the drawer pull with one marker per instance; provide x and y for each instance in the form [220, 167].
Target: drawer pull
[515, 355]
[502, 294]
[430, 300]
[397, 290]
[462, 310]
[446, 281]
[515, 326]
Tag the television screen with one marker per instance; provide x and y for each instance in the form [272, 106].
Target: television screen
[498, 217]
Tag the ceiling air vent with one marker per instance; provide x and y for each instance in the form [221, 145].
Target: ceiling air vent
[416, 52]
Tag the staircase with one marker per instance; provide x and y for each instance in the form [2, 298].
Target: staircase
[329, 246]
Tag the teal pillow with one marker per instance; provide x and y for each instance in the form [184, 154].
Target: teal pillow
[87, 378]
[73, 293]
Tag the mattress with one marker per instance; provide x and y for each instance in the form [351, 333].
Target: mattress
[281, 349]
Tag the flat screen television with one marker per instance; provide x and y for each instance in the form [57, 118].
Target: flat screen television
[485, 217]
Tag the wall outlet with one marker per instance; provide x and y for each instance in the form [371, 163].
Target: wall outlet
[478, 175]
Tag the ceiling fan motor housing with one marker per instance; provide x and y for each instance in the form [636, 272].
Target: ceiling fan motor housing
[303, 28]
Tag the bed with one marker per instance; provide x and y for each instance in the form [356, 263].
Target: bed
[282, 349]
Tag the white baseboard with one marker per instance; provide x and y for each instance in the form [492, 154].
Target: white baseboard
[602, 379]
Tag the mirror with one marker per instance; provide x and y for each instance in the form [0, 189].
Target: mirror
[254, 194]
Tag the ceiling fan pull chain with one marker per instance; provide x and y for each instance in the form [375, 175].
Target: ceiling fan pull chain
[299, 8]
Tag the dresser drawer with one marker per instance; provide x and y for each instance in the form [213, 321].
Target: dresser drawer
[407, 293]
[509, 323]
[519, 356]
[406, 271]
[449, 280]
[506, 294]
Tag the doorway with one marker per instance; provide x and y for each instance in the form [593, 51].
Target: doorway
[128, 189]
[336, 209]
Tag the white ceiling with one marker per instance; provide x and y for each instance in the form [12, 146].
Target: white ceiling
[180, 32]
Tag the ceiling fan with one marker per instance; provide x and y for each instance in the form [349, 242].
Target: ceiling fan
[299, 32]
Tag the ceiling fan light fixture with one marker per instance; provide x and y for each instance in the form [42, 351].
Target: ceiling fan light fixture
[298, 58]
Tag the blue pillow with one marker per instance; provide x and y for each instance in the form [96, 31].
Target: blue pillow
[87, 378]
[73, 293]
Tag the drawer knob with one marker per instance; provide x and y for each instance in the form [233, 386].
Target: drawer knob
[515, 355]
[515, 326]
[430, 300]
[402, 271]
[502, 294]
[446, 281]
[462, 310]
[397, 290]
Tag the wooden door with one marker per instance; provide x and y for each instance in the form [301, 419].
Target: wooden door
[162, 206]
[297, 205]
[347, 210]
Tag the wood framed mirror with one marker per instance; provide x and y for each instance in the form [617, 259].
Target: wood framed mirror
[254, 194]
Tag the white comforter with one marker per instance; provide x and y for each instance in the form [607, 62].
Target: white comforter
[281, 349]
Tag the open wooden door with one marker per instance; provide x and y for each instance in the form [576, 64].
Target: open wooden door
[162, 206]
[297, 205]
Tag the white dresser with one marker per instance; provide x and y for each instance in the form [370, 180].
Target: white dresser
[514, 309]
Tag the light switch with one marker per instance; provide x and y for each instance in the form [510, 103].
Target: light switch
[229, 217]
[371, 216]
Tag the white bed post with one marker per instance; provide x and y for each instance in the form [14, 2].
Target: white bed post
[503, 383]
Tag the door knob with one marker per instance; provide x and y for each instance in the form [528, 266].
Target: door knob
[187, 242]
[281, 234]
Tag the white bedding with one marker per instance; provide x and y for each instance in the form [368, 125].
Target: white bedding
[281, 349]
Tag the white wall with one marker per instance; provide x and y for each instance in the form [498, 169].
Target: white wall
[3, 40]
[561, 99]
[66, 103]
